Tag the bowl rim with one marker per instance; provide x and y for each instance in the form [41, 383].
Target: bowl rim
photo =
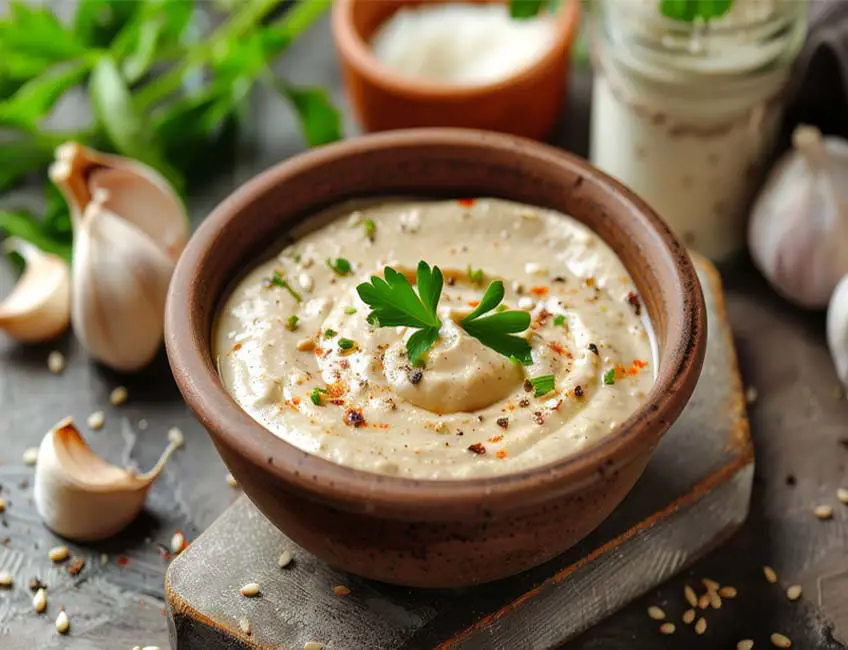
[352, 47]
[361, 491]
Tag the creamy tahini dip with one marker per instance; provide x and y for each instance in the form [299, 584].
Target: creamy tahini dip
[470, 411]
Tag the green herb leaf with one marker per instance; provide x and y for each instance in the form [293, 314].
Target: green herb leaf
[476, 277]
[559, 320]
[370, 228]
[320, 121]
[37, 32]
[543, 384]
[523, 9]
[350, 310]
[341, 266]
[315, 395]
[346, 344]
[328, 334]
[497, 330]
[158, 25]
[97, 22]
[291, 323]
[34, 99]
[609, 377]
[20, 223]
[419, 343]
[689, 10]
[277, 281]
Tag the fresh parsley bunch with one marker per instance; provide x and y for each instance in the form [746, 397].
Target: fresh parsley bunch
[394, 303]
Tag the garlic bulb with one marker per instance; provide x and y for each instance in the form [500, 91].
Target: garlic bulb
[798, 233]
[79, 495]
[129, 229]
[38, 308]
[837, 329]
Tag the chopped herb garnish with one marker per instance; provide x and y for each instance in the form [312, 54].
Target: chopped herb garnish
[476, 277]
[593, 348]
[291, 323]
[543, 384]
[497, 330]
[609, 377]
[315, 395]
[559, 320]
[689, 10]
[350, 310]
[346, 344]
[328, 334]
[370, 228]
[276, 280]
[501, 307]
[341, 266]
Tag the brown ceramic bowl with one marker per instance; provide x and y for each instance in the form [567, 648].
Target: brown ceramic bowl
[420, 532]
[526, 104]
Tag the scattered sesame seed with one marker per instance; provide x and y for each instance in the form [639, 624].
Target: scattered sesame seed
[58, 553]
[30, 456]
[176, 437]
[39, 601]
[691, 598]
[656, 613]
[96, 420]
[704, 601]
[727, 592]
[823, 512]
[667, 628]
[341, 590]
[689, 616]
[712, 585]
[244, 624]
[231, 481]
[794, 592]
[780, 640]
[285, 559]
[178, 543]
[118, 395]
[250, 590]
[701, 626]
[770, 575]
[56, 362]
[5, 580]
[305, 345]
[305, 281]
[715, 600]
[745, 644]
[842, 495]
[63, 623]
[751, 395]
[313, 645]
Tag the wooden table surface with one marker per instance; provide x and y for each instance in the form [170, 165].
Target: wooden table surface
[798, 423]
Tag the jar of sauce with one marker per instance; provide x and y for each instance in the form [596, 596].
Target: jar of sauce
[687, 113]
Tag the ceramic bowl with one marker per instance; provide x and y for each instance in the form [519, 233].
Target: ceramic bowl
[422, 532]
[526, 104]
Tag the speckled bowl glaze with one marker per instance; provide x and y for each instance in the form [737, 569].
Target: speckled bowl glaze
[527, 103]
[417, 532]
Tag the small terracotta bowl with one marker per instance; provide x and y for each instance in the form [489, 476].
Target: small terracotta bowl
[420, 532]
[526, 104]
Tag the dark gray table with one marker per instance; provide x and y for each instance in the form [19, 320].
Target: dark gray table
[798, 426]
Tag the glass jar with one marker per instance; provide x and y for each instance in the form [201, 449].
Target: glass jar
[687, 113]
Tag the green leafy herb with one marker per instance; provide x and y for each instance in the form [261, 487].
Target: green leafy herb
[523, 9]
[346, 344]
[501, 307]
[315, 395]
[319, 120]
[350, 310]
[276, 280]
[477, 277]
[341, 266]
[609, 377]
[497, 330]
[370, 228]
[690, 10]
[559, 321]
[328, 334]
[543, 384]
[291, 323]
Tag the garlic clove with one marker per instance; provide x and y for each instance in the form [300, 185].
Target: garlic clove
[837, 329]
[38, 308]
[134, 191]
[79, 495]
[120, 281]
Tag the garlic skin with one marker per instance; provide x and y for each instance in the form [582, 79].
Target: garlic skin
[129, 229]
[38, 308]
[837, 329]
[799, 224]
[80, 496]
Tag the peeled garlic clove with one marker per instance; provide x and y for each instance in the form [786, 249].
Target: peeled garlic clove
[837, 329]
[79, 495]
[38, 308]
[134, 191]
[799, 224]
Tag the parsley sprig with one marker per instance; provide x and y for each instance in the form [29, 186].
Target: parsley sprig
[394, 303]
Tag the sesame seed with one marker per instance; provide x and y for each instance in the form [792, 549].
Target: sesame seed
[794, 592]
[704, 601]
[63, 623]
[39, 601]
[178, 543]
[58, 553]
[305, 345]
[30, 456]
[285, 559]
[56, 362]
[244, 624]
[231, 481]
[691, 598]
[770, 575]
[305, 281]
[313, 645]
[701, 626]
[823, 512]
[118, 396]
[5, 579]
[842, 495]
[656, 613]
[745, 644]
[341, 590]
[727, 592]
[250, 590]
[715, 600]
[96, 420]
[711, 585]
[689, 616]
[780, 640]
[176, 437]
[667, 628]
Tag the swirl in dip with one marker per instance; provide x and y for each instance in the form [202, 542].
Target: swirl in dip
[470, 411]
